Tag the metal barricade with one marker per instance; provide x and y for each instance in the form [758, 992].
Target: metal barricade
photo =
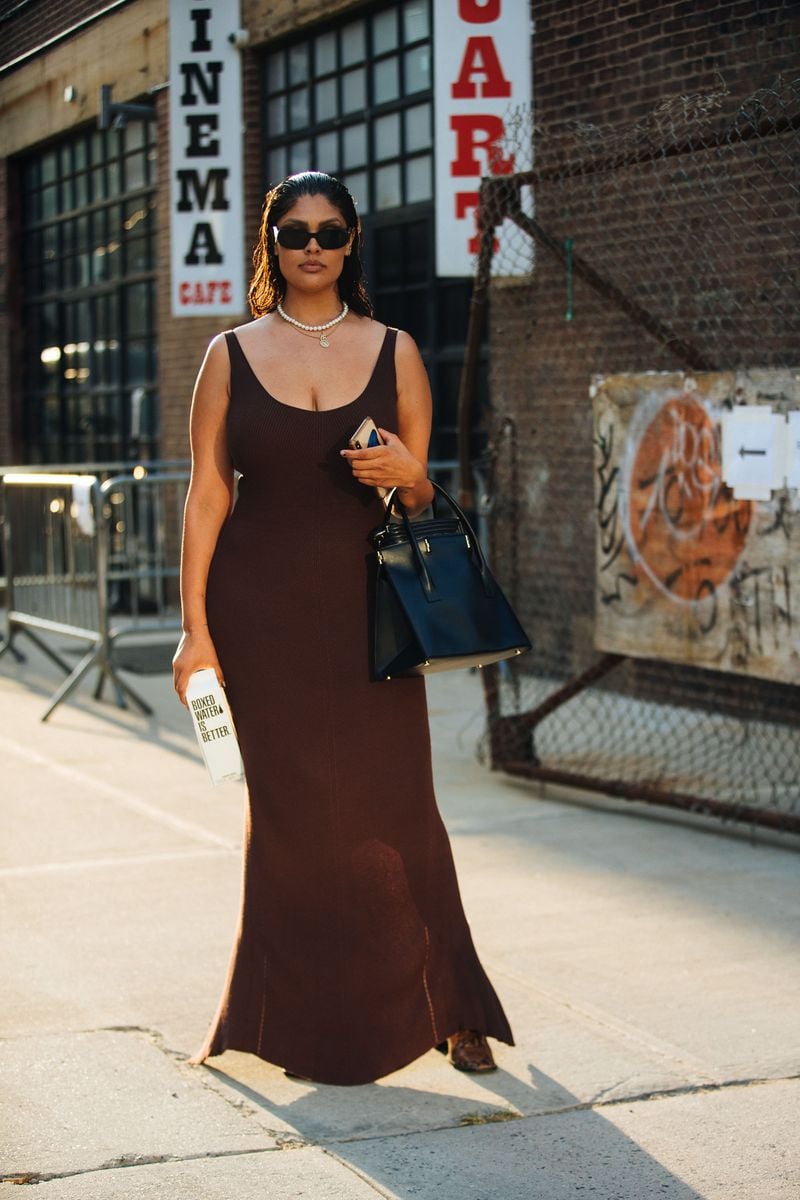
[98, 559]
[102, 470]
[91, 560]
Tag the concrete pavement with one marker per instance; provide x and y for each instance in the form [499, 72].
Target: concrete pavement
[647, 962]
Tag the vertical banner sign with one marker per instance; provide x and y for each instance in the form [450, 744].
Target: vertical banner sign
[482, 66]
[205, 118]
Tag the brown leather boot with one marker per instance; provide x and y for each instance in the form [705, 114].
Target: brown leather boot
[468, 1050]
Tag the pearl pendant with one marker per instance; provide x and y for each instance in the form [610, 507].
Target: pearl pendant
[323, 341]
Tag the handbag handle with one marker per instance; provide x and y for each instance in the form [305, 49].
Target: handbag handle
[477, 551]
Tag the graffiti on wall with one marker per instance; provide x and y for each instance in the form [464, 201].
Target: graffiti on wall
[684, 571]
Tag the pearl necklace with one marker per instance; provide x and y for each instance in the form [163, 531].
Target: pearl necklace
[320, 329]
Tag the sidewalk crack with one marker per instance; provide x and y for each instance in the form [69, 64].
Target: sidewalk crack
[146, 1160]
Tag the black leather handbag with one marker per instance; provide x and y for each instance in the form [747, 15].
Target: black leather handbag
[437, 605]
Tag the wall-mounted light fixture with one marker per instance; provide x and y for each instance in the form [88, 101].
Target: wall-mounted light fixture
[116, 116]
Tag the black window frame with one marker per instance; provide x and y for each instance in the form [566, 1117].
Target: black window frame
[88, 260]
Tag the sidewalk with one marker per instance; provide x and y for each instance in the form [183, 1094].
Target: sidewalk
[647, 962]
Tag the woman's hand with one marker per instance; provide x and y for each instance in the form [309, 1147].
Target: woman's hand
[390, 465]
[195, 651]
[402, 462]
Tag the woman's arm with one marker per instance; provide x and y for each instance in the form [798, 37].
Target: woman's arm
[414, 417]
[402, 460]
[208, 503]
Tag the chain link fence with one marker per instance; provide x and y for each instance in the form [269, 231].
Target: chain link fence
[671, 245]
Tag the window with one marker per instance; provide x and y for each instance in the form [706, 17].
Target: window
[356, 100]
[88, 254]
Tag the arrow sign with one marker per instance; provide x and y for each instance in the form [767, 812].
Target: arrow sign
[752, 451]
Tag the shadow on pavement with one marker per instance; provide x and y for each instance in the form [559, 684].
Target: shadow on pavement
[568, 1150]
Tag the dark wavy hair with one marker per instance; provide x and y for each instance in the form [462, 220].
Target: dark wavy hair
[268, 286]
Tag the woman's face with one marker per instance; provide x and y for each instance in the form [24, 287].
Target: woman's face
[312, 268]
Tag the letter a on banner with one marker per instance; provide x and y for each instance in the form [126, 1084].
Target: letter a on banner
[205, 120]
[482, 66]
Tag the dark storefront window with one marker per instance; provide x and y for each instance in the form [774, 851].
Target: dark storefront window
[356, 100]
[88, 270]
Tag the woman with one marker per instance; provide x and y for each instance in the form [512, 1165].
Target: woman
[352, 955]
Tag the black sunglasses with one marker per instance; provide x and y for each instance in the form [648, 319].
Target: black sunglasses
[291, 237]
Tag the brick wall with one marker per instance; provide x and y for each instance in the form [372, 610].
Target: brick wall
[128, 49]
[27, 26]
[609, 61]
[712, 266]
[267, 21]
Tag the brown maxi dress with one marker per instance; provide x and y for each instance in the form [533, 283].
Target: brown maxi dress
[352, 955]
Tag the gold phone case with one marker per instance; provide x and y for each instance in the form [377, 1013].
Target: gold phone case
[359, 440]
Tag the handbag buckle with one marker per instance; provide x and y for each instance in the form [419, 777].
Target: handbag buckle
[427, 545]
[466, 539]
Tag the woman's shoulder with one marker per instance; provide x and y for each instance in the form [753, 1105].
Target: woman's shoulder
[216, 351]
[406, 349]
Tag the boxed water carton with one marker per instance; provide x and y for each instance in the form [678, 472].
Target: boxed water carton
[213, 725]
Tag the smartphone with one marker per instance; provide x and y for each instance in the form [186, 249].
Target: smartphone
[365, 436]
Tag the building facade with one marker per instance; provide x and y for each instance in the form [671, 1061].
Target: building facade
[653, 181]
[95, 366]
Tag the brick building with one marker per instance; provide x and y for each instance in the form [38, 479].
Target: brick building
[94, 366]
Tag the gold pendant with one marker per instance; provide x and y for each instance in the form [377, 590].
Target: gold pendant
[323, 341]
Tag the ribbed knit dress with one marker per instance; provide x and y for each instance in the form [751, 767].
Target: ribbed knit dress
[352, 955]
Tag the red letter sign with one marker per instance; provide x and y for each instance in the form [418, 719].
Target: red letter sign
[482, 74]
[473, 13]
[480, 58]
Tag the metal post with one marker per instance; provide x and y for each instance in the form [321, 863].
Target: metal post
[488, 218]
